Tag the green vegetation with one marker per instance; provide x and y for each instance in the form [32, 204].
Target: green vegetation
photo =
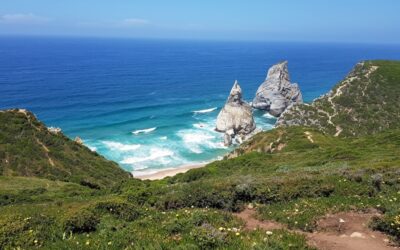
[365, 102]
[293, 175]
[27, 148]
[295, 185]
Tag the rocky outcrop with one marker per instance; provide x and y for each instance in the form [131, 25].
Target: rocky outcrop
[277, 93]
[78, 140]
[236, 117]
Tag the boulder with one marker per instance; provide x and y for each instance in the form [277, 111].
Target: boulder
[78, 140]
[236, 117]
[277, 93]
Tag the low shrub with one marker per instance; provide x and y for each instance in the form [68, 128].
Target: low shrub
[26, 232]
[206, 236]
[389, 225]
[81, 221]
[119, 209]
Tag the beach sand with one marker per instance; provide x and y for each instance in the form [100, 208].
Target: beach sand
[168, 172]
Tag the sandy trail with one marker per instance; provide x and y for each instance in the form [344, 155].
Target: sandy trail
[344, 231]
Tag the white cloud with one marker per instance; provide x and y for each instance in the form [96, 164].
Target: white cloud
[126, 23]
[22, 19]
[134, 22]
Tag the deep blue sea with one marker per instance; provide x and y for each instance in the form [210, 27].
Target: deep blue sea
[152, 104]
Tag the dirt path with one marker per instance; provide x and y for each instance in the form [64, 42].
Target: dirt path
[342, 231]
[46, 149]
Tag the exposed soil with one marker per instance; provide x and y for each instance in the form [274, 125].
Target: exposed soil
[342, 231]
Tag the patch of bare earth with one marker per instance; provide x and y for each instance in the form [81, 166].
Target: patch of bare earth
[342, 231]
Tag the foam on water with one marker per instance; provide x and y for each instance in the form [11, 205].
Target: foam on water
[119, 146]
[203, 111]
[144, 131]
[173, 147]
[195, 140]
[268, 115]
[160, 154]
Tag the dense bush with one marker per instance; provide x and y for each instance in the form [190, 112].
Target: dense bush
[31, 231]
[388, 224]
[81, 221]
[208, 237]
[119, 209]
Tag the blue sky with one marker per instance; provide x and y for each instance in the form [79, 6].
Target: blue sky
[371, 21]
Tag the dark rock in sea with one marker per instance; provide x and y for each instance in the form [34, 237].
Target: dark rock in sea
[236, 117]
[277, 93]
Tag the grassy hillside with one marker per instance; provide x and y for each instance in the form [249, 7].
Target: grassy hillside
[312, 175]
[293, 175]
[27, 148]
[365, 102]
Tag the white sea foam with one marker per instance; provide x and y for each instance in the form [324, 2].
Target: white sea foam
[200, 125]
[121, 147]
[196, 140]
[140, 167]
[163, 138]
[203, 111]
[159, 154]
[268, 115]
[94, 149]
[144, 131]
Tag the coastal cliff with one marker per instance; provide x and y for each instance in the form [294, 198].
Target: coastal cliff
[365, 102]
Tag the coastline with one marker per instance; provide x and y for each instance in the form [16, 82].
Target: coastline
[169, 172]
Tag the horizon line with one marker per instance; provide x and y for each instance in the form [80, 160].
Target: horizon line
[76, 36]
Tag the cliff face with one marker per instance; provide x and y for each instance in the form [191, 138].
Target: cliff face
[236, 117]
[29, 148]
[277, 93]
[365, 102]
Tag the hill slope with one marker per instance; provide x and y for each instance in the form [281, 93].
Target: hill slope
[28, 148]
[365, 102]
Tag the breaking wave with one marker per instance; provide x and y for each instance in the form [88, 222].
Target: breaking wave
[120, 146]
[203, 111]
[153, 154]
[144, 131]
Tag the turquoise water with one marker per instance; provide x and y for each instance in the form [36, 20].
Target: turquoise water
[152, 104]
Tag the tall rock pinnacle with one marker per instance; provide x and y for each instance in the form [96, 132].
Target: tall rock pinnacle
[277, 93]
[236, 117]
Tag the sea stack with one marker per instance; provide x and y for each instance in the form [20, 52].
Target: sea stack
[277, 93]
[236, 117]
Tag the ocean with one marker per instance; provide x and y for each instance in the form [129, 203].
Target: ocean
[152, 104]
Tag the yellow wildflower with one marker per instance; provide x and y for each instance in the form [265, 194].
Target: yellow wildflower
[397, 219]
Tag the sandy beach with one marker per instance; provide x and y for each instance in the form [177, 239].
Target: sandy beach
[169, 172]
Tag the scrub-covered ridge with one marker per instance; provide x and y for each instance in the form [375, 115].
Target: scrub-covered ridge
[29, 148]
[365, 102]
